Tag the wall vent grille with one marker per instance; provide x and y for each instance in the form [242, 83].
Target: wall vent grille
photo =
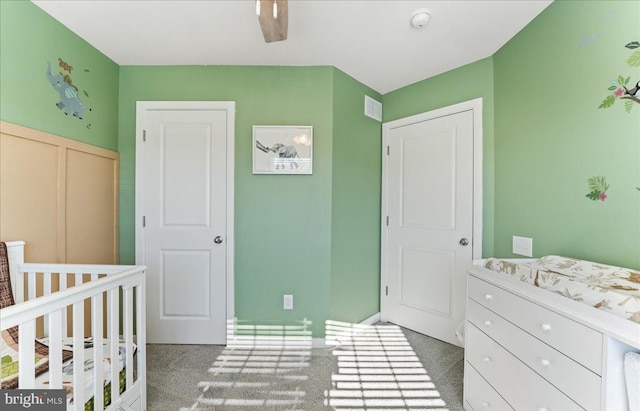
[372, 108]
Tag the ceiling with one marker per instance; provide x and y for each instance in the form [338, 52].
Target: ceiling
[371, 40]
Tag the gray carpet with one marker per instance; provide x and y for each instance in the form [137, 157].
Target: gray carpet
[382, 367]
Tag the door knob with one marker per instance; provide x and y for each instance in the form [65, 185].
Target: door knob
[217, 240]
[464, 242]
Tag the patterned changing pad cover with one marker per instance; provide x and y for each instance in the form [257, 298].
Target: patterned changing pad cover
[605, 287]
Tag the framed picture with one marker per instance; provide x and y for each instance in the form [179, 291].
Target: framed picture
[282, 149]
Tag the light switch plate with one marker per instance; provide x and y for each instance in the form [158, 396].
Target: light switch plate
[523, 246]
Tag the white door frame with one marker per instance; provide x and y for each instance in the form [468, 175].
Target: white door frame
[230, 107]
[476, 239]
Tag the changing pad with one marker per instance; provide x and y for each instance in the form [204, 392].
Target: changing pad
[605, 287]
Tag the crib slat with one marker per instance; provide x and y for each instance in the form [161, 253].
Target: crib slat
[63, 281]
[55, 349]
[63, 286]
[108, 314]
[31, 286]
[78, 356]
[47, 290]
[46, 283]
[98, 355]
[78, 279]
[128, 334]
[114, 337]
[26, 355]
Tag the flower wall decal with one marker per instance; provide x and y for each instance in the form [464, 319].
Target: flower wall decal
[620, 88]
[597, 188]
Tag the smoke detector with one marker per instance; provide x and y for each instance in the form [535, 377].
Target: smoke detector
[420, 18]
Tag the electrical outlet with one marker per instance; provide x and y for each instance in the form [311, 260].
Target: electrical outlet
[288, 302]
[523, 246]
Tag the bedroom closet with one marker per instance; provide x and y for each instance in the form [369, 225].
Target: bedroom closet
[58, 195]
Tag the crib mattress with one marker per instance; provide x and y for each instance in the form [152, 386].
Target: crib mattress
[608, 288]
[42, 380]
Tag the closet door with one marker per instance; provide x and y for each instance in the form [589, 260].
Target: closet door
[29, 195]
[58, 195]
[91, 208]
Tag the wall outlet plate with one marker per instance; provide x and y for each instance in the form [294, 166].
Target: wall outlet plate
[523, 246]
[287, 302]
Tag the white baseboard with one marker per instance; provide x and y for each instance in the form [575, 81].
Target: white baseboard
[321, 342]
[375, 318]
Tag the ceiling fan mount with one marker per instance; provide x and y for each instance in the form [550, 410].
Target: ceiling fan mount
[273, 16]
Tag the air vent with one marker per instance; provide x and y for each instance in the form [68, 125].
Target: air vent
[372, 108]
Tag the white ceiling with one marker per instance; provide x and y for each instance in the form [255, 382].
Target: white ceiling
[371, 40]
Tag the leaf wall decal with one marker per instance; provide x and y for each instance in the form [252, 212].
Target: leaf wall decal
[633, 45]
[607, 102]
[628, 105]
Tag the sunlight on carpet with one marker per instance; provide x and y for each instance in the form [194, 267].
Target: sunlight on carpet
[268, 366]
[272, 361]
[378, 370]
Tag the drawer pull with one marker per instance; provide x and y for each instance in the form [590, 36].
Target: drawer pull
[488, 297]
[487, 323]
[545, 327]
[544, 363]
[487, 359]
[485, 403]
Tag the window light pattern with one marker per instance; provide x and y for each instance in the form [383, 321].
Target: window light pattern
[262, 367]
[269, 367]
[378, 370]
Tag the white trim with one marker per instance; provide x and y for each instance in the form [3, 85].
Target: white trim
[472, 105]
[375, 318]
[230, 107]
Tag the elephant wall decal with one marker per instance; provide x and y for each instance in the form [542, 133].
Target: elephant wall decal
[69, 101]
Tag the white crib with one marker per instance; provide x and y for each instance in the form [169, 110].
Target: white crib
[112, 297]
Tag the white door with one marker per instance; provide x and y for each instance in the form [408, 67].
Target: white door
[184, 218]
[427, 241]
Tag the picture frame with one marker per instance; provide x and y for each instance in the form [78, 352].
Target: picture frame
[282, 150]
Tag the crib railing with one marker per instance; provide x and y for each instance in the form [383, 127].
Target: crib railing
[118, 288]
[37, 280]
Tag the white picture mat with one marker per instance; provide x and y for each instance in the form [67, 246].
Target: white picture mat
[282, 149]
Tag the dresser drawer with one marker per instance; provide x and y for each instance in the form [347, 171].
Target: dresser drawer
[573, 339]
[479, 394]
[579, 383]
[520, 386]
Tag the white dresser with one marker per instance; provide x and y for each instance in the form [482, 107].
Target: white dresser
[531, 349]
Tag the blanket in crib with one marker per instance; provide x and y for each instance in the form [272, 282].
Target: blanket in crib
[10, 359]
[10, 336]
[605, 287]
[42, 381]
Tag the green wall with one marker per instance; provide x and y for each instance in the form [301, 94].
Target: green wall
[355, 217]
[550, 136]
[462, 84]
[282, 222]
[318, 238]
[29, 38]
